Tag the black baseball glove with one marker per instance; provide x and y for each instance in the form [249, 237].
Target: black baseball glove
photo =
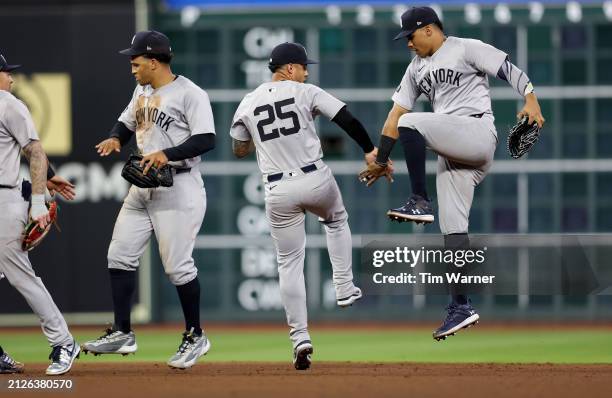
[155, 177]
[521, 137]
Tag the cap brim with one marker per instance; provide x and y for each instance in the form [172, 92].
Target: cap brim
[130, 51]
[403, 33]
[310, 61]
[9, 68]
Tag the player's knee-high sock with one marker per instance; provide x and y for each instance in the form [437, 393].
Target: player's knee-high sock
[414, 152]
[340, 248]
[189, 294]
[123, 285]
[457, 241]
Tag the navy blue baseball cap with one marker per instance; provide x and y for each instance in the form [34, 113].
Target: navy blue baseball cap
[416, 18]
[5, 67]
[290, 53]
[149, 42]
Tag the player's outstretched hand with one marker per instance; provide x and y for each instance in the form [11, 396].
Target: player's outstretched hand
[532, 111]
[373, 172]
[61, 186]
[370, 158]
[153, 159]
[109, 146]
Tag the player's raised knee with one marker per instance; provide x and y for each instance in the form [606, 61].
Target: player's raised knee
[408, 120]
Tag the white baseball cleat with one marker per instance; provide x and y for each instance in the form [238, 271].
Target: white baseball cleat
[62, 357]
[349, 300]
[192, 347]
[302, 355]
[112, 342]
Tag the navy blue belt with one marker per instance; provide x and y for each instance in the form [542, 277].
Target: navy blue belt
[305, 169]
[185, 170]
[478, 115]
[6, 186]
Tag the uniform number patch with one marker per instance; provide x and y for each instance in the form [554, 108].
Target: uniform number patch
[274, 112]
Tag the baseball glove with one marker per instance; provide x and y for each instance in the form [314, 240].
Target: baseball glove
[155, 177]
[521, 137]
[33, 234]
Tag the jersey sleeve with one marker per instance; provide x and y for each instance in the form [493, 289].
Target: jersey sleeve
[322, 102]
[407, 92]
[198, 113]
[19, 123]
[238, 129]
[128, 116]
[484, 57]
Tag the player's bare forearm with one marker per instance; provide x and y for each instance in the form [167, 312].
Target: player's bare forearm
[390, 134]
[378, 162]
[242, 148]
[38, 166]
[390, 127]
[519, 80]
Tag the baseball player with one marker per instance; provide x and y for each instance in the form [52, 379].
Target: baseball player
[452, 73]
[173, 123]
[18, 202]
[277, 119]
[8, 365]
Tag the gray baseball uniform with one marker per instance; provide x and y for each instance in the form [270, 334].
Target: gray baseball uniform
[163, 118]
[16, 132]
[279, 117]
[461, 130]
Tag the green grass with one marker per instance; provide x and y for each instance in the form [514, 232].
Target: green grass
[412, 345]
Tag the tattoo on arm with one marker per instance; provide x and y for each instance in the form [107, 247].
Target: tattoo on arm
[38, 166]
[242, 148]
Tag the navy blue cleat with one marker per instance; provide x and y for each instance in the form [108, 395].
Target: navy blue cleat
[417, 209]
[9, 365]
[459, 316]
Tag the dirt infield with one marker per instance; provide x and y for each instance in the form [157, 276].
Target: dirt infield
[344, 380]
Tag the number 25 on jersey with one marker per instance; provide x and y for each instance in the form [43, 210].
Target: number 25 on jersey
[274, 112]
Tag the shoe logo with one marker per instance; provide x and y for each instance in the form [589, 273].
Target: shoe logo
[415, 211]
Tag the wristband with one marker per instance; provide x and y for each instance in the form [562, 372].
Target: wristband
[39, 207]
[384, 149]
[50, 172]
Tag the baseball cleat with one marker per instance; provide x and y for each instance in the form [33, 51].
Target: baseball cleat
[9, 365]
[417, 209]
[349, 300]
[112, 342]
[62, 357]
[459, 316]
[301, 355]
[192, 347]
